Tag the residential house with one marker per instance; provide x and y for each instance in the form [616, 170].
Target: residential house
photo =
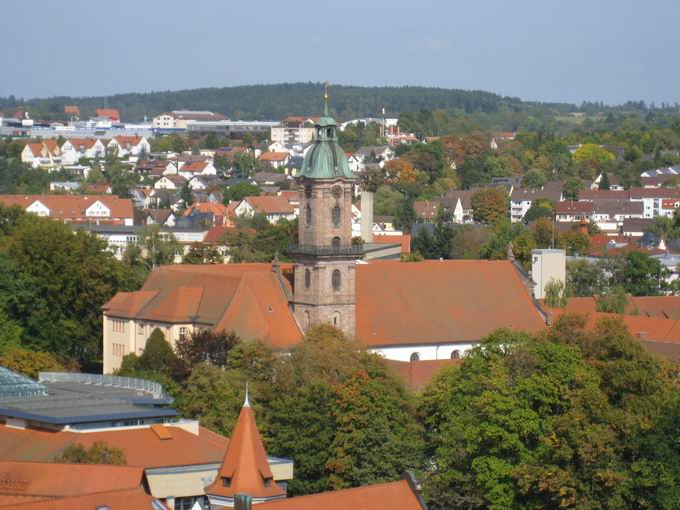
[459, 204]
[75, 148]
[106, 209]
[45, 154]
[521, 199]
[72, 111]
[220, 213]
[170, 182]
[189, 170]
[180, 119]
[271, 179]
[124, 146]
[274, 159]
[155, 168]
[273, 207]
[294, 130]
[108, 113]
[427, 210]
[162, 217]
[571, 211]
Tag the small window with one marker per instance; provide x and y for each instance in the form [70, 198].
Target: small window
[182, 333]
[308, 215]
[336, 216]
[455, 354]
[335, 243]
[329, 132]
[335, 319]
[308, 320]
[308, 278]
[335, 279]
[226, 481]
[415, 356]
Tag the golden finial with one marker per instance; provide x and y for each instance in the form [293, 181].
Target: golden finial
[325, 98]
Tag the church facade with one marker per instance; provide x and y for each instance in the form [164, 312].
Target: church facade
[405, 311]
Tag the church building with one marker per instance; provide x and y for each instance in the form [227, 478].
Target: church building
[406, 311]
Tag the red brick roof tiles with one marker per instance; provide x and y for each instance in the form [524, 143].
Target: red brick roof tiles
[384, 496]
[73, 207]
[111, 113]
[274, 156]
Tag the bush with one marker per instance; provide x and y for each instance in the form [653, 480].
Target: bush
[29, 363]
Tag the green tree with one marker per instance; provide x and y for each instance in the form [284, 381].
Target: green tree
[158, 357]
[202, 253]
[534, 179]
[540, 208]
[613, 300]
[604, 182]
[158, 248]
[571, 188]
[206, 346]
[240, 191]
[489, 205]
[555, 295]
[98, 453]
[186, 194]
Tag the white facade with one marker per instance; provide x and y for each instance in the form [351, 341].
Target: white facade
[290, 136]
[547, 265]
[72, 152]
[424, 352]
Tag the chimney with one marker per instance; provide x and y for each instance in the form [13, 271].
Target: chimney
[243, 502]
[367, 216]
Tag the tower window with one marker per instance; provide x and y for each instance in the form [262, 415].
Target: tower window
[455, 354]
[329, 133]
[308, 278]
[335, 319]
[415, 356]
[335, 279]
[308, 215]
[335, 243]
[336, 214]
[308, 319]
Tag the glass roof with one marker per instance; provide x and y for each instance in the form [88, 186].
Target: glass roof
[16, 385]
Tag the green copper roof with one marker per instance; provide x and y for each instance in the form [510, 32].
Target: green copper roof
[326, 159]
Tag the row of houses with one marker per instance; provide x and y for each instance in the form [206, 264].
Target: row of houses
[49, 154]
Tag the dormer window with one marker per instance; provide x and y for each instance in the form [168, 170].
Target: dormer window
[268, 482]
[329, 132]
[226, 481]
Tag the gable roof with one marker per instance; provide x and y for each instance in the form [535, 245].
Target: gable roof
[274, 156]
[194, 166]
[245, 464]
[111, 113]
[270, 204]
[73, 207]
[130, 499]
[84, 143]
[440, 301]
[426, 209]
[383, 496]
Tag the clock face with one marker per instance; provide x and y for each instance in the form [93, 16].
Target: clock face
[308, 190]
[336, 191]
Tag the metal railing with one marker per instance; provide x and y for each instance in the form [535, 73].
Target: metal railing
[310, 249]
[104, 380]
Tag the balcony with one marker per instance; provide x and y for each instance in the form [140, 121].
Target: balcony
[356, 250]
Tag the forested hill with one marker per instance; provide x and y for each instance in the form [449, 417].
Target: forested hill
[273, 102]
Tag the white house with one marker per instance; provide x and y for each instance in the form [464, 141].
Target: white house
[45, 154]
[170, 182]
[190, 169]
[75, 148]
[129, 145]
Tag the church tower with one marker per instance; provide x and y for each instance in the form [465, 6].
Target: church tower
[324, 256]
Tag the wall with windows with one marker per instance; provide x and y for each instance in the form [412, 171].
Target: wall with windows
[424, 351]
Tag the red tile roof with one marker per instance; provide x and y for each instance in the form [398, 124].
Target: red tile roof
[71, 208]
[404, 240]
[194, 166]
[123, 140]
[111, 113]
[245, 464]
[574, 207]
[434, 301]
[82, 143]
[183, 449]
[426, 209]
[384, 496]
[132, 499]
[29, 481]
[271, 204]
[417, 374]
[71, 110]
[274, 156]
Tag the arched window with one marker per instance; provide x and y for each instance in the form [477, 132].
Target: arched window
[455, 354]
[335, 243]
[308, 278]
[415, 356]
[308, 215]
[308, 320]
[329, 132]
[335, 279]
[335, 319]
[336, 216]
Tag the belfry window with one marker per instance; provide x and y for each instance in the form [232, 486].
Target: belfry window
[308, 215]
[415, 356]
[329, 132]
[308, 278]
[336, 216]
[335, 243]
[335, 279]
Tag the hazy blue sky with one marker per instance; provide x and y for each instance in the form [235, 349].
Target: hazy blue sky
[575, 50]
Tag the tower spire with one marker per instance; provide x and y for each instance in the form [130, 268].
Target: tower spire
[246, 403]
[325, 98]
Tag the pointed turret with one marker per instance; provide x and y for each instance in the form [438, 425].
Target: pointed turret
[245, 469]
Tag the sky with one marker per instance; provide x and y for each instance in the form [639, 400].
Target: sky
[545, 50]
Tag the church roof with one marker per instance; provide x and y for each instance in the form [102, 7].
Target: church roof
[245, 469]
[326, 159]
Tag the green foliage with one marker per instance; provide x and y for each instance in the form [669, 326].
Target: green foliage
[153, 248]
[98, 453]
[53, 283]
[257, 240]
[359, 420]
[27, 362]
[534, 179]
[468, 240]
[202, 253]
[205, 346]
[246, 164]
[388, 201]
[613, 300]
[240, 191]
[413, 256]
[158, 357]
[555, 295]
[540, 208]
[572, 187]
